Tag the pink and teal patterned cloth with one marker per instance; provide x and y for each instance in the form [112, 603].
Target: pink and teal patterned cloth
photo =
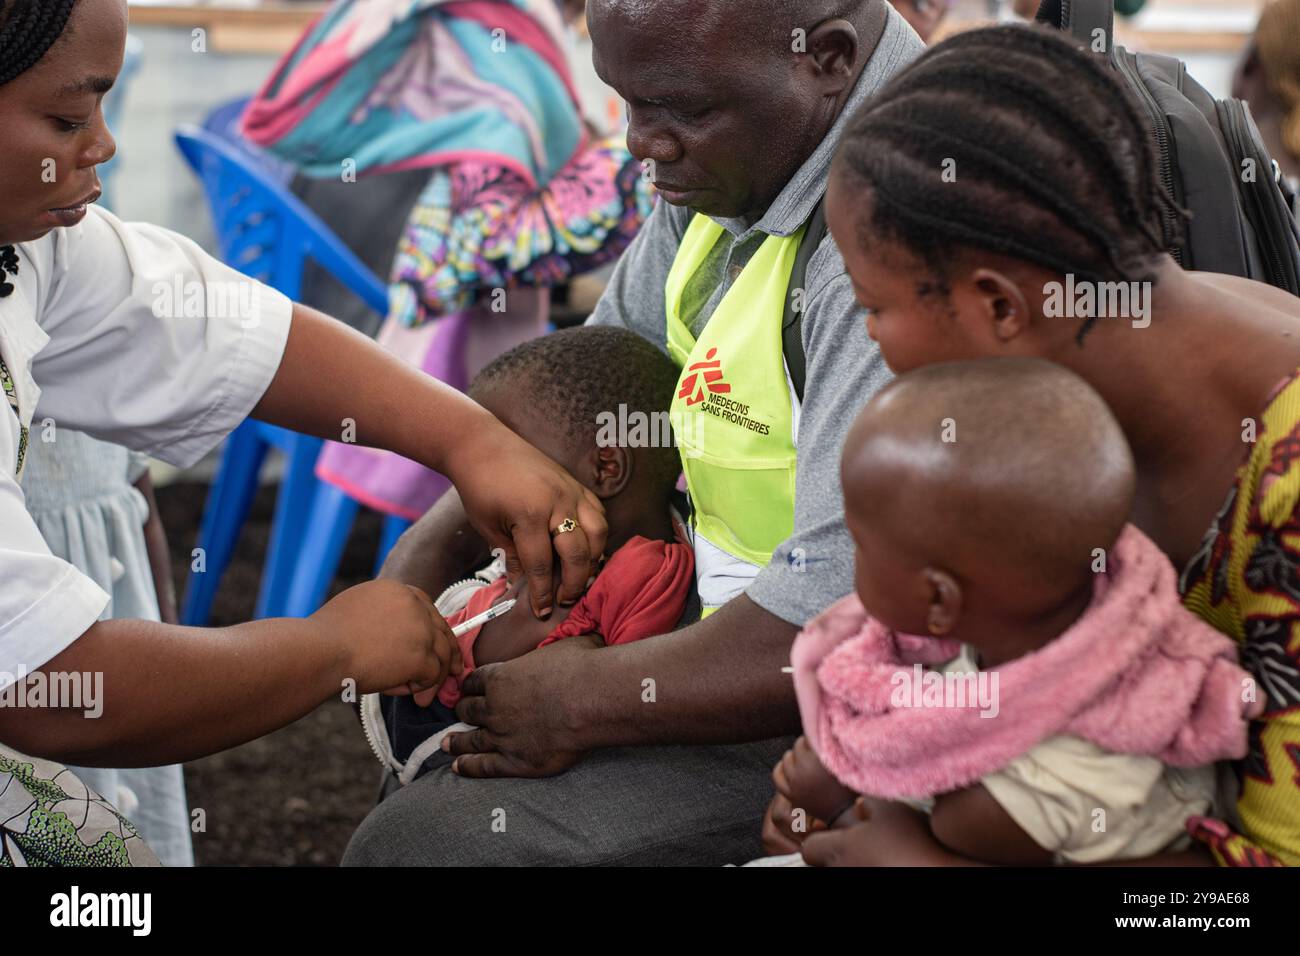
[479, 92]
[520, 197]
[404, 84]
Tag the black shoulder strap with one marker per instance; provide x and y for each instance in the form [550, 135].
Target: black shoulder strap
[797, 299]
[1080, 18]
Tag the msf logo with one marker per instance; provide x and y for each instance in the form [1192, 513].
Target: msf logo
[701, 376]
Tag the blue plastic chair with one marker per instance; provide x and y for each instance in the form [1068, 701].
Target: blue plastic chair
[267, 233]
[224, 120]
[333, 513]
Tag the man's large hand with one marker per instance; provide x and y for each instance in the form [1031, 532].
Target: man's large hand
[519, 709]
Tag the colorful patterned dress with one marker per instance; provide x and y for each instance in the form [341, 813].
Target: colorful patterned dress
[48, 817]
[1245, 581]
[479, 226]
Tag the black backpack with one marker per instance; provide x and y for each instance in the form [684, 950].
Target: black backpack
[1212, 158]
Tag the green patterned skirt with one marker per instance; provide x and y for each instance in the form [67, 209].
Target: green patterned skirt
[48, 817]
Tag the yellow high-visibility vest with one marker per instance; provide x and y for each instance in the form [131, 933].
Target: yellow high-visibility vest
[733, 413]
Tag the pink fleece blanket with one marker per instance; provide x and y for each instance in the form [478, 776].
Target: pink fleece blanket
[1138, 674]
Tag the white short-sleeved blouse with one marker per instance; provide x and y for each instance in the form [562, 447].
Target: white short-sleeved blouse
[137, 336]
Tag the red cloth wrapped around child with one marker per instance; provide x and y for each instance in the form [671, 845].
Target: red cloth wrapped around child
[641, 591]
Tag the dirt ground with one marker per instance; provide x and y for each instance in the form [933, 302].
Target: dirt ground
[294, 797]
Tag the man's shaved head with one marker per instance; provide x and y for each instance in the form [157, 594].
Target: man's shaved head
[1009, 472]
[745, 20]
[728, 98]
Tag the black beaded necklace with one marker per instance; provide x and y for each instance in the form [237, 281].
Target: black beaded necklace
[8, 264]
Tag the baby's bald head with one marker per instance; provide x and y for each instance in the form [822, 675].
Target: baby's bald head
[1007, 473]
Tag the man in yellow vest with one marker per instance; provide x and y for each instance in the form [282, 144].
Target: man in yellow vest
[736, 108]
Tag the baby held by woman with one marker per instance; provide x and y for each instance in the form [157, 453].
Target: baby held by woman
[989, 504]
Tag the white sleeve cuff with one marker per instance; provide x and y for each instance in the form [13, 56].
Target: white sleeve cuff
[49, 626]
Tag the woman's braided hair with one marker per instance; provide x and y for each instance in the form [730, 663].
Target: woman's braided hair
[28, 28]
[1014, 140]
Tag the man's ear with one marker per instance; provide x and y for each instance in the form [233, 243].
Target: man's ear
[1002, 303]
[945, 602]
[833, 46]
[609, 470]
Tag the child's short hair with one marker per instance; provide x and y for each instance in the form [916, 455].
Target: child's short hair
[577, 374]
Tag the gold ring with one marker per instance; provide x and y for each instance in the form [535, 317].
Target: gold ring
[565, 526]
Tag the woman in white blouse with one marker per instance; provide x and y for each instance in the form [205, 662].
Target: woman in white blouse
[89, 338]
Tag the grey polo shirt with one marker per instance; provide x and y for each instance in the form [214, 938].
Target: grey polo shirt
[814, 567]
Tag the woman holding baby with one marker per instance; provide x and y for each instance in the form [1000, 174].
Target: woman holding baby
[957, 271]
